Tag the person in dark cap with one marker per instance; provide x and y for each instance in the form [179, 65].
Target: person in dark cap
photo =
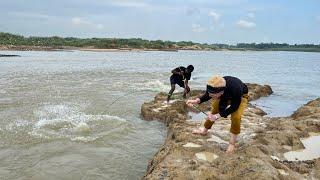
[180, 76]
[230, 96]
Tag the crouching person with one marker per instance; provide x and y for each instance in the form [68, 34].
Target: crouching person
[230, 96]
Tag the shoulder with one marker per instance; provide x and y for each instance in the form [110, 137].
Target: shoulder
[232, 80]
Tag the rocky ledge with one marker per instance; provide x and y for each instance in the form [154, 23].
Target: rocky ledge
[260, 148]
[9, 55]
[177, 110]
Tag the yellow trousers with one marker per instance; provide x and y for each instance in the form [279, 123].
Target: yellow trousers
[235, 116]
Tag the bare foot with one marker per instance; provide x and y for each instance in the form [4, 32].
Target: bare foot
[231, 149]
[200, 131]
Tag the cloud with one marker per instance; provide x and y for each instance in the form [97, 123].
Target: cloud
[318, 18]
[251, 15]
[215, 16]
[99, 26]
[81, 22]
[31, 15]
[128, 3]
[192, 11]
[78, 21]
[197, 28]
[245, 24]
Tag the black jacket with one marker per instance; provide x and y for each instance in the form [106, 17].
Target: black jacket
[234, 91]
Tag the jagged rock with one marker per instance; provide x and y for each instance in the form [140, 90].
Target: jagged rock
[256, 91]
[9, 55]
[261, 140]
[158, 109]
[311, 108]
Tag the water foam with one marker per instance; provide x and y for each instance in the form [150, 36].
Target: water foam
[82, 128]
[153, 85]
[67, 121]
[17, 125]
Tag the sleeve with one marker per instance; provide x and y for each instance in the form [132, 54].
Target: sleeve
[205, 97]
[235, 103]
[176, 70]
[188, 76]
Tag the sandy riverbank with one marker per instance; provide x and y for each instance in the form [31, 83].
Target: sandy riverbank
[65, 48]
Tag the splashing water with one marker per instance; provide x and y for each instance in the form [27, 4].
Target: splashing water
[63, 121]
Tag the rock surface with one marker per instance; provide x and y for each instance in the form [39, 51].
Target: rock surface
[177, 110]
[9, 55]
[260, 146]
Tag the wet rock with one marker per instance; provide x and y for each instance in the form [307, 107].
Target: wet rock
[256, 91]
[260, 148]
[9, 55]
[191, 145]
[283, 172]
[311, 108]
[159, 109]
[206, 156]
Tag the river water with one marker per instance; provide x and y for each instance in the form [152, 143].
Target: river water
[72, 115]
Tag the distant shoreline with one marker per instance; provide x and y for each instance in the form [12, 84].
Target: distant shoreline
[10, 41]
[48, 48]
[66, 48]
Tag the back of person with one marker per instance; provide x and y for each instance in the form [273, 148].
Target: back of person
[234, 88]
[186, 75]
[180, 76]
[229, 97]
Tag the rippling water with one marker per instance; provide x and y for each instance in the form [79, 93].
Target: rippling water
[56, 121]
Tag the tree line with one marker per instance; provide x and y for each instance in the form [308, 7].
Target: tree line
[138, 43]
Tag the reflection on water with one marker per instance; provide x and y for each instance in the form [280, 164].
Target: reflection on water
[311, 151]
[57, 120]
[197, 116]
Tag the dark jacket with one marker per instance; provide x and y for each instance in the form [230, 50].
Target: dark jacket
[234, 91]
[179, 77]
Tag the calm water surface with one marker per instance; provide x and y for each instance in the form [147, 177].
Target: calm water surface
[56, 121]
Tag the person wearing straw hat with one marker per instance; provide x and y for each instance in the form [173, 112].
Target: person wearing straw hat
[230, 96]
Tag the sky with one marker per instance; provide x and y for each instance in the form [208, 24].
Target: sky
[204, 21]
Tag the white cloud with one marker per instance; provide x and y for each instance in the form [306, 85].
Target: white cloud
[198, 28]
[99, 26]
[127, 3]
[245, 24]
[31, 15]
[192, 11]
[79, 21]
[251, 15]
[215, 16]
